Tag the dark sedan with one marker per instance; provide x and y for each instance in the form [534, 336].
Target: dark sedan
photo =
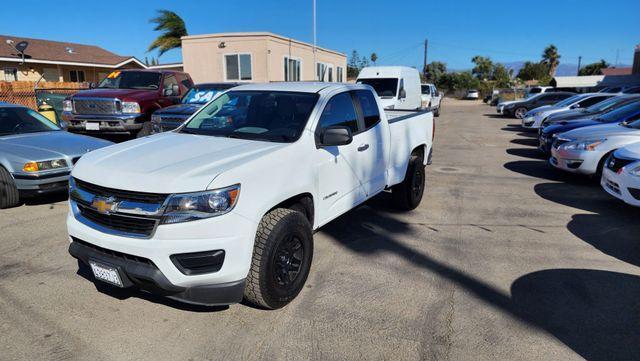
[520, 108]
[593, 111]
[549, 133]
[171, 117]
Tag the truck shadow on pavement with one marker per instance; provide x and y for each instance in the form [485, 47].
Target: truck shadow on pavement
[593, 312]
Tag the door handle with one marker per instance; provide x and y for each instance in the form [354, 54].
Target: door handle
[363, 147]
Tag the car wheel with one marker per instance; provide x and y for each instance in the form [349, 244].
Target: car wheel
[281, 259]
[520, 112]
[146, 130]
[408, 194]
[9, 196]
[436, 113]
[600, 168]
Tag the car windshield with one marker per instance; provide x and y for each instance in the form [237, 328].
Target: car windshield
[385, 87]
[259, 115]
[131, 80]
[604, 105]
[568, 101]
[425, 89]
[200, 95]
[620, 113]
[23, 120]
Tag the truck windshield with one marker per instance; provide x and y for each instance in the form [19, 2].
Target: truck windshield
[385, 87]
[22, 120]
[131, 80]
[258, 115]
[200, 95]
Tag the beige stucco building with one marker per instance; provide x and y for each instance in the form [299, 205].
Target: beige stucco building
[258, 57]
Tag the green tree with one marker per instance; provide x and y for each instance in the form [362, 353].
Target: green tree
[364, 62]
[594, 68]
[502, 76]
[374, 58]
[172, 27]
[534, 71]
[353, 66]
[551, 59]
[435, 71]
[483, 67]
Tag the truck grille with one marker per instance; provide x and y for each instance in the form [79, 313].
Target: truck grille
[615, 164]
[120, 223]
[95, 106]
[126, 224]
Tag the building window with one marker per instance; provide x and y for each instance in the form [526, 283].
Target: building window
[238, 66]
[339, 76]
[76, 76]
[291, 69]
[10, 74]
[324, 72]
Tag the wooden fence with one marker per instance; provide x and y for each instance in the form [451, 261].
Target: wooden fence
[23, 92]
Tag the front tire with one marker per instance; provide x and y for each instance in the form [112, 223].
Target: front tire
[281, 261]
[520, 112]
[408, 194]
[9, 196]
[436, 113]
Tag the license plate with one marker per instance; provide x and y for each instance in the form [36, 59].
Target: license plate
[106, 273]
[92, 126]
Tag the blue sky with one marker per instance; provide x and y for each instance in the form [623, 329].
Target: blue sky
[457, 30]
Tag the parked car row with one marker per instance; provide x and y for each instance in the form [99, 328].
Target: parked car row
[596, 135]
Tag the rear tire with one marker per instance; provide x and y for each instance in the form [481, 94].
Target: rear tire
[436, 113]
[408, 194]
[9, 196]
[281, 261]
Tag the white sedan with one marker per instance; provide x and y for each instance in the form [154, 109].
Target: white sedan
[535, 117]
[621, 174]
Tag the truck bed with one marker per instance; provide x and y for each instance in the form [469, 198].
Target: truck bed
[409, 129]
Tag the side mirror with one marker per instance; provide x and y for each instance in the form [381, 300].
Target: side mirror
[403, 93]
[167, 92]
[176, 89]
[335, 135]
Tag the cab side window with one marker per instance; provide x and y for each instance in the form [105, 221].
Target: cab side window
[340, 111]
[369, 108]
[167, 85]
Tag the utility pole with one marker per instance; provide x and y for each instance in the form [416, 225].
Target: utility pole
[579, 61]
[424, 68]
[315, 66]
[617, 57]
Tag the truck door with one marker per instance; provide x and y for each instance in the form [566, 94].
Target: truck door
[372, 142]
[339, 188]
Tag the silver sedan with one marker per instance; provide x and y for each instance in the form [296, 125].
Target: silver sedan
[36, 156]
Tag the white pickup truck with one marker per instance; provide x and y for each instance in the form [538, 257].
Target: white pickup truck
[431, 98]
[224, 207]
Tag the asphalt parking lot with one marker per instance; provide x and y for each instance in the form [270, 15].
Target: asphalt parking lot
[504, 259]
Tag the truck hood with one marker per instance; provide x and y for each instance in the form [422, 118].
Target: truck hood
[601, 131]
[168, 162]
[49, 145]
[122, 94]
[631, 151]
[181, 109]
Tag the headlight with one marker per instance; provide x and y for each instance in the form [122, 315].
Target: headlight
[46, 165]
[635, 171]
[193, 206]
[67, 106]
[590, 144]
[130, 107]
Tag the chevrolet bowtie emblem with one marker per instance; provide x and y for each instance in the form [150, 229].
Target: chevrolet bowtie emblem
[104, 205]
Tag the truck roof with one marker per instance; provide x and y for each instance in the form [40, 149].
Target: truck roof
[302, 87]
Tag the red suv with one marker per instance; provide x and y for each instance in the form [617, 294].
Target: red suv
[124, 101]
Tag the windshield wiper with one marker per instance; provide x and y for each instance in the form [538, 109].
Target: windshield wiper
[188, 131]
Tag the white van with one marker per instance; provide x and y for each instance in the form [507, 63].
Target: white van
[397, 86]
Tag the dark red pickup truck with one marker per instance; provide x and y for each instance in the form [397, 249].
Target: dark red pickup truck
[124, 101]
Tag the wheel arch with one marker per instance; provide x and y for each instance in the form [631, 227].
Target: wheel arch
[302, 199]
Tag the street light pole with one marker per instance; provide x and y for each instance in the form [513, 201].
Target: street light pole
[315, 66]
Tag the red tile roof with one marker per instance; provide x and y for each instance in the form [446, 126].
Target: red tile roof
[616, 71]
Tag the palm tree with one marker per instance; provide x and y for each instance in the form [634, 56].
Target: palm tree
[551, 59]
[172, 27]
